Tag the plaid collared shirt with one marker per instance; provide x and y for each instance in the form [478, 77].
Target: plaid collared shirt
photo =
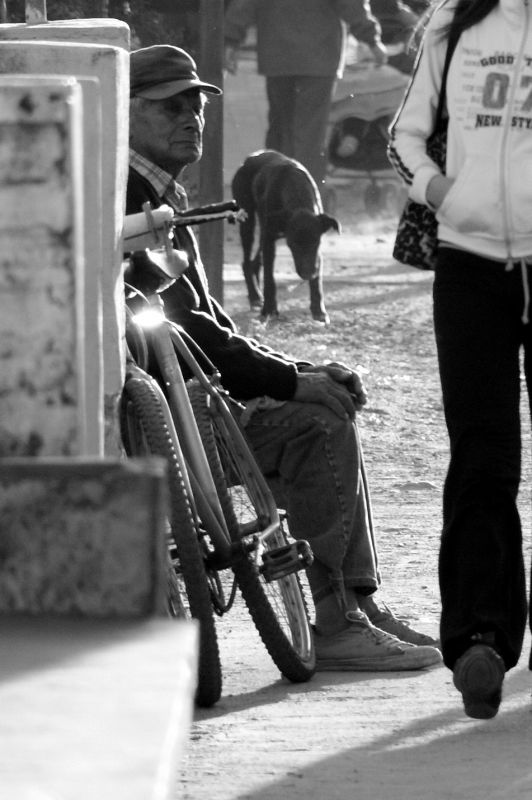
[166, 187]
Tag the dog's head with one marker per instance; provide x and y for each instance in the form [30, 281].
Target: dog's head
[303, 235]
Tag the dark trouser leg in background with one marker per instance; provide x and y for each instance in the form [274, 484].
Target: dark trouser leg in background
[313, 104]
[477, 319]
[299, 109]
[281, 107]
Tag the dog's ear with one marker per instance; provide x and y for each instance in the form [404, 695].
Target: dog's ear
[329, 223]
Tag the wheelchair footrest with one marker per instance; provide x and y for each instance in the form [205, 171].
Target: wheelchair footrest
[283, 561]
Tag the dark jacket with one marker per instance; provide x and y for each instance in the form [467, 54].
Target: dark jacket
[300, 37]
[247, 368]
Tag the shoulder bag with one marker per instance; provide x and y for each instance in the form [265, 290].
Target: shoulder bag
[416, 240]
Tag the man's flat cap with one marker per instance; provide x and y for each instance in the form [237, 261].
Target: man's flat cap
[162, 70]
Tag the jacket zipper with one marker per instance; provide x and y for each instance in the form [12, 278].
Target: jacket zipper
[506, 132]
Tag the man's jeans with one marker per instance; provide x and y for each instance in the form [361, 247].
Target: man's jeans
[313, 458]
[478, 306]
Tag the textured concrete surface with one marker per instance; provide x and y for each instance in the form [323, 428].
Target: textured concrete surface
[63, 50]
[41, 302]
[84, 538]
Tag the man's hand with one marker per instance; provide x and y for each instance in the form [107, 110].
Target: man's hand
[334, 385]
[231, 59]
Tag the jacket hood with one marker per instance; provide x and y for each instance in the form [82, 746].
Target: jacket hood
[514, 11]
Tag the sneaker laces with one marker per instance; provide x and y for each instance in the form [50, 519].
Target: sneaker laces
[384, 609]
[378, 636]
[386, 612]
[385, 619]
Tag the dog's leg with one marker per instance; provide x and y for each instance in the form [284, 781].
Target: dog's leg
[269, 308]
[249, 266]
[317, 305]
[256, 271]
[242, 192]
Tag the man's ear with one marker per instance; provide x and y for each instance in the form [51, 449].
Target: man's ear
[329, 223]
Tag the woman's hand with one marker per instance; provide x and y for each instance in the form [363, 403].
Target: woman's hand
[437, 188]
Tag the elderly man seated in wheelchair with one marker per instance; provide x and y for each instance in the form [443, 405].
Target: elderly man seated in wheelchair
[299, 417]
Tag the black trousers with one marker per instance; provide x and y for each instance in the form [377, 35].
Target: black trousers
[478, 308]
[298, 113]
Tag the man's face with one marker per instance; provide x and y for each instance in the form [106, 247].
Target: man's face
[169, 132]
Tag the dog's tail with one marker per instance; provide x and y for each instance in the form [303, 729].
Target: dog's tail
[241, 188]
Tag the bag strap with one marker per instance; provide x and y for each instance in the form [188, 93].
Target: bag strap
[454, 35]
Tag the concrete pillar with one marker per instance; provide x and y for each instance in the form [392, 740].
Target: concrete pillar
[42, 326]
[83, 537]
[25, 54]
[105, 31]
[91, 243]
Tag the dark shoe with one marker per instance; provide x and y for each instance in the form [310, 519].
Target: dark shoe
[478, 675]
[387, 621]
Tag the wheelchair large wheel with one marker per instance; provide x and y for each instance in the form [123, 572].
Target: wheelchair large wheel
[145, 432]
[277, 606]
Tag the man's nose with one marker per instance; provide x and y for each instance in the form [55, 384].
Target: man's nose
[190, 119]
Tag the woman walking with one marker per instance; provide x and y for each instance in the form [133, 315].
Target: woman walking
[483, 206]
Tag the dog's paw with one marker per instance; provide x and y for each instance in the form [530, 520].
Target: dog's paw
[322, 318]
[267, 317]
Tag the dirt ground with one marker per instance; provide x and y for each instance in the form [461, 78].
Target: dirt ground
[380, 736]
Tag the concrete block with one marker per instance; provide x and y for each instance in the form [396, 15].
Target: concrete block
[112, 32]
[90, 194]
[42, 375]
[83, 537]
[110, 65]
[94, 709]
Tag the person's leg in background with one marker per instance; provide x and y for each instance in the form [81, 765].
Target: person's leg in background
[477, 310]
[313, 97]
[298, 116]
[280, 92]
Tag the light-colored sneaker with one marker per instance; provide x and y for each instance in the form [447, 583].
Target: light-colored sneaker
[387, 621]
[365, 648]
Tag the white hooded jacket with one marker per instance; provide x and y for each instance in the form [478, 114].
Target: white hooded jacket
[488, 209]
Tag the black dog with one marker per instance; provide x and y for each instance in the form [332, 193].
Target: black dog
[280, 192]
